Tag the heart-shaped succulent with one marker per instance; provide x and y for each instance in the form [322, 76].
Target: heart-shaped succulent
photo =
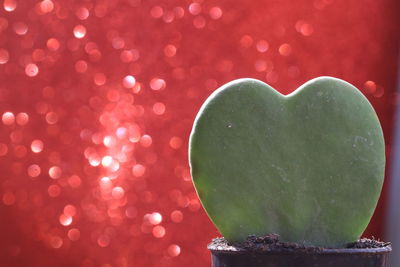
[308, 166]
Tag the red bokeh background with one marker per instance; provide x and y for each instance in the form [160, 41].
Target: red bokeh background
[97, 100]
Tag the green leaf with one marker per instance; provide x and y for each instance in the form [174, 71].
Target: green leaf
[308, 166]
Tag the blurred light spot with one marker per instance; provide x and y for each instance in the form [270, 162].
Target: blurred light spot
[129, 55]
[379, 91]
[170, 50]
[175, 142]
[118, 192]
[157, 84]
[106, 161]
[134, 133]
[195, 8]
[176, 216]
[22, 118]
[31, 70]
[159, 108]
[81, 66]
[168, 16]
[307, 29]
[370, 87]
[34, 170]
[74, 234]
[129, 81]
[215, 12]
[8, 198]
[138, 170]
[155, 218]
[194, 205]
[74, 181]
[304, 28]
[103, 241]
[260, 65]
[94, 160]
[54, 190]
[37, 146]
[20, 28]
[79, 31]
[174, 250]
[55, 172]
[121, 132]
[53, 44]
[4, 56]
[51, 118]
[69, 210]
[262, 46]
[65, 220]
[156, 12]
[105, 184]
[158, 231]
[199, 22]
[8, 118]
[118, 43]
[56, 242]
[10, 5]
[109, 141]
[82, 13]
[285, 50]
[146, 140]
[46, 6]
[179, 12]
[131, 212]
[99, 79]
[246, 41]
[100, 9]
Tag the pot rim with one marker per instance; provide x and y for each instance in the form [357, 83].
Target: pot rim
[350, 251]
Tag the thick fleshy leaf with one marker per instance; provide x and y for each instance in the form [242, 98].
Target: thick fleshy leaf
[308, 166]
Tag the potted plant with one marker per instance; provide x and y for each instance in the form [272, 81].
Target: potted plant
[289, 180]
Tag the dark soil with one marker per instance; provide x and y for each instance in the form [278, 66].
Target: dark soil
[368, 243]
[271, 243]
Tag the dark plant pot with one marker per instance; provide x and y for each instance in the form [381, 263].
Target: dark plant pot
[351, 257]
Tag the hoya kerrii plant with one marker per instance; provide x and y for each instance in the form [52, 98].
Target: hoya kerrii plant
[308, 166]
